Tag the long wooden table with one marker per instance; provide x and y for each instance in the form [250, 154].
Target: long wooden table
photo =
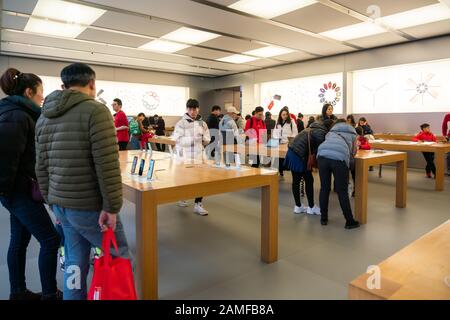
[439, 149]
[163, 140]
[364, 160]
[367, 158]
[402, 137]
[175, 181]
[420, 271]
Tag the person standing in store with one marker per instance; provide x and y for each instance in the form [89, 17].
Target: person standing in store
[192, 135]
[19, 112]
[121, 124]
[78, 171]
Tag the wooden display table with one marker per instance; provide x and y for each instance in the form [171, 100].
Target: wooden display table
[163, 140]
[364, 160]
[367, 158]
[418, 272]
[439, 149]
[402, 137]
[174, 182]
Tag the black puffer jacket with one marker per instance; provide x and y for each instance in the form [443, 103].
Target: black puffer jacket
[300, 143]
[17, 159]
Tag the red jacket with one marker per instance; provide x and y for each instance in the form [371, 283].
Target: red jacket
[445, 128]
[258, 126]
[364, 143]
[422, 136]
[120, 119]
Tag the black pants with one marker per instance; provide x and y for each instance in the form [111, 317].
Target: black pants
[340, 172]
[198, 200]
[161, 147]
[429, 158]
[29, 218]
[123, 145]
[309, 181]
[281, 167]
[256, 161]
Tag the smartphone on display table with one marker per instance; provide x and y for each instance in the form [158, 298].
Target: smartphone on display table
[141, 167]
[133, 166]
[151, 168]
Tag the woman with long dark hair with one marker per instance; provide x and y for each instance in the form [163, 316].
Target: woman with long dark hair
[286, 128]
[327, 112]
[18, 114]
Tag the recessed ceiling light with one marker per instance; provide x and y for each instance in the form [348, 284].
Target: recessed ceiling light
[67, 11]
[415, 17]
[163, 46]
[270, 51]
[270, 8]
[71, 13]
[237, 58]
[189, 35]
[354, 31]
[46, 27]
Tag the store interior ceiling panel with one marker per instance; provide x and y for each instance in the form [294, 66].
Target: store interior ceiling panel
[212, 38]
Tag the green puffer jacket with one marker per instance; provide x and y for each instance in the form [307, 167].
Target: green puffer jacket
[77, 159]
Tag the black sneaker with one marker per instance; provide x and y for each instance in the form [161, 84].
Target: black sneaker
[26, 295]
[352, 224]
[324, 222]
[56, 296]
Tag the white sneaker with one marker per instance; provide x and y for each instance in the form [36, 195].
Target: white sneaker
[183, 204]
[314, 211]
[300, 210]
[198, 209]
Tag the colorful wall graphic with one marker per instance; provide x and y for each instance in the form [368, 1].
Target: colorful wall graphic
[305, 95]
[418, 87]
[136, 97]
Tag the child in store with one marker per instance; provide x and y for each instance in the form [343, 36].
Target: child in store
[425, 135]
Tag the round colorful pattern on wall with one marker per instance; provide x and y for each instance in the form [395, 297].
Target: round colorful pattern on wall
[150, 100]
[330, 93]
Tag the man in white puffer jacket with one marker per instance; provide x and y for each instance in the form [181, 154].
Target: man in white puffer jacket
[192, 135]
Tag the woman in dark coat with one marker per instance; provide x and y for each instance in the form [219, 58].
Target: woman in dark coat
[18, 114]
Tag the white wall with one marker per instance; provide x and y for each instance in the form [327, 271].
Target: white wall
[197, 85]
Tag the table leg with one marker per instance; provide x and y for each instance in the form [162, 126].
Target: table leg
[401, 184]
[362, 186]
[440, 170]
[269, 221]
[146, 246]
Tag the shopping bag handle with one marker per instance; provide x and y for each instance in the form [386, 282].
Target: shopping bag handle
[109, 237]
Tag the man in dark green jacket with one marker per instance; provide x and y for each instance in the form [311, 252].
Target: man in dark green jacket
[79, 172]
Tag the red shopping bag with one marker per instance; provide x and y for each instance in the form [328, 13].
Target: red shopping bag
[113, 278]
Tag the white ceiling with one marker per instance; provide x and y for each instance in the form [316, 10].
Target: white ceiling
[115, 38]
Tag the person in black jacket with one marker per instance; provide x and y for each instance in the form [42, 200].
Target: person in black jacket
[213, 121]
[19, 112]
[367, 130]
[297, 160]
[300, 123]
[327, 113]
[270, 124]
[159, 125]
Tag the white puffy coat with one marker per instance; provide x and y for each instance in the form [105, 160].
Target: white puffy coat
[191, 136]
[288, 130]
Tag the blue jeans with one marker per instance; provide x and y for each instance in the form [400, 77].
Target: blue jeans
[30, 218]
[135, 143]
[81, 232]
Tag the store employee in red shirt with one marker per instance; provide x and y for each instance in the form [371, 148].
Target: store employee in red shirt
[255, 129]
[121, 124]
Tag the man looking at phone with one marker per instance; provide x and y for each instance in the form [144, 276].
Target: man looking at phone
[79, 173]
